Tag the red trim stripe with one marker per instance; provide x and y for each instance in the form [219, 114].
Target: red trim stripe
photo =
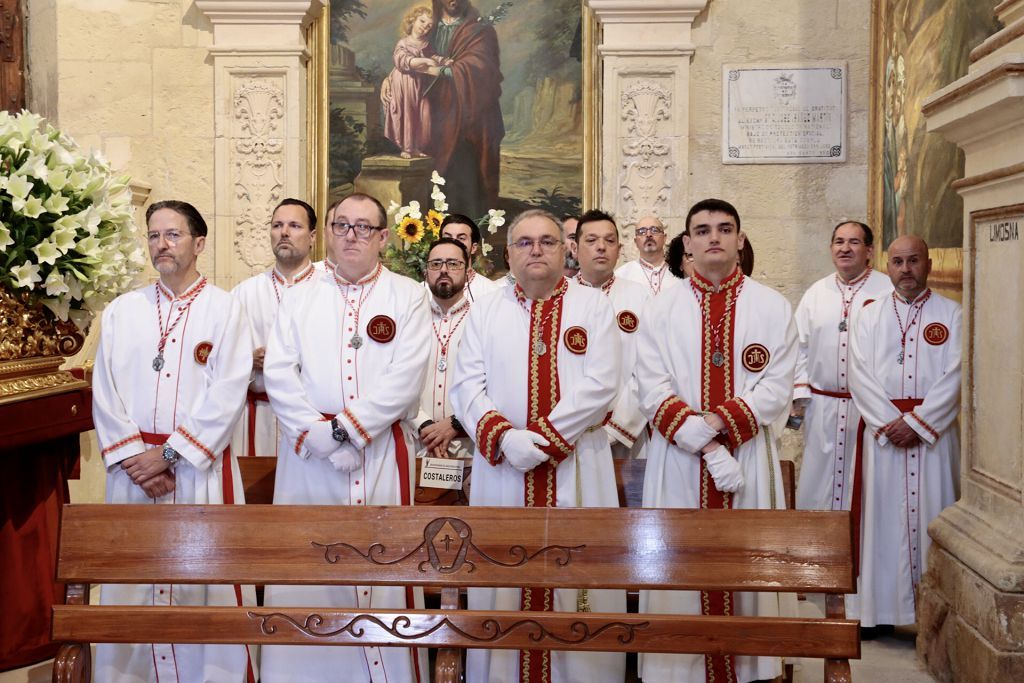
[557, 448]
[670, 417]
[739, 420]
[363, 434]
[118, 444]
[489, 430]
[196, 442]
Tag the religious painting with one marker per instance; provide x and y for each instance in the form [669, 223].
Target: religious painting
[919, 47]
[488, 94]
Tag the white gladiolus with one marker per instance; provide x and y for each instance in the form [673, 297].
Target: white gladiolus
[18, 187]
[31, 207]
[5, 238]
[436, 178]
[26, 275]
[56, 203]
[61, 307]
[46, 252]
[55, 284]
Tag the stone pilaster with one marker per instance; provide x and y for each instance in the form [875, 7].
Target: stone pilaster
[971, 601]
[259, 57]
[645, 50]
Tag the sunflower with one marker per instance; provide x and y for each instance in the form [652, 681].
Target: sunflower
[411, 229]
[434, 220]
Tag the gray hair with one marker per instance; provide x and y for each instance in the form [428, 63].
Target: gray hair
[534, 213]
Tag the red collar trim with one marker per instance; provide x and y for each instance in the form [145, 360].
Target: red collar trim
[559, 290]
[860, 278]
[701, 283]
[464, 302]
[920, 297]
[365, 281]
[606, 287]
[192, 290]
[304, 275]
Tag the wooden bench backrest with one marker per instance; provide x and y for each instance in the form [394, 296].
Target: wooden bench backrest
[750, 550]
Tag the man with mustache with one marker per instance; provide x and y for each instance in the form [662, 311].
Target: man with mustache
[345, 363]
[597, 246]
[465, 230]
[537, 371]
[171, 370]
[441, 433]
[905, 381]
[650, 269]
[292, 233]
[715, 371]
[824, 321]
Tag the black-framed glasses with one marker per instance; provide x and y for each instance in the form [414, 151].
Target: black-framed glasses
[449, 263]
[361, 230]
[652, 230]
[546, 244]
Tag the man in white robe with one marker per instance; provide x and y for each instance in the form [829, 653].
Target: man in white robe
[535, 378]
[441, 433]
[597, 248]
[715, 372]
[292, 232]
[824, 321]
[345, 363]
[905, 380]
[171, 369]
[650, 269]
[325, 268]
[464, 229]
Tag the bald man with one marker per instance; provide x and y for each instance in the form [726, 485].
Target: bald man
[905, 381]
[650, 269]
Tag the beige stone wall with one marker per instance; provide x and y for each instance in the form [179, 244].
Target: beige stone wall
[787, 210]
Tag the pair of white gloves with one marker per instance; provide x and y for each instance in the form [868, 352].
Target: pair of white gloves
[345, 457]
[693, 435]
[520, 447]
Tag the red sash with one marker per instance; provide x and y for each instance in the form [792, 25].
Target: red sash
[905, 405]
[251, 398]
[831, 394]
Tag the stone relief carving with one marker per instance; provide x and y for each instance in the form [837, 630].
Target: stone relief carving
[257, 150]
[645, 181]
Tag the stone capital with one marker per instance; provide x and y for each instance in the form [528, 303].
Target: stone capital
[238, 22]
[663, 24]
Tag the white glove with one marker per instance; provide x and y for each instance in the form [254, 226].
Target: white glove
[520, 449]
[694, 434]
[724, 469]
[320, 440]
[346, 458]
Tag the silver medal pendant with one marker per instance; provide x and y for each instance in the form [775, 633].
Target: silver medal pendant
[540, 348]
[356, 341]
[442, 364]
[842, 326]
[718, 359]
[158, 362]
[899, 358]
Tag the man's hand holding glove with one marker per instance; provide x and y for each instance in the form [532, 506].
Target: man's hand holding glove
[694, 434]
[520, 449]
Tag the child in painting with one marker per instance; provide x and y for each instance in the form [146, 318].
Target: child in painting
[407, 119]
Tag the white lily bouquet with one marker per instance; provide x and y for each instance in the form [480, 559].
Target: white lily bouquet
[408, 254]
[67, 235]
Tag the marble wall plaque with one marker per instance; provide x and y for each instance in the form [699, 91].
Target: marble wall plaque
[784, 113]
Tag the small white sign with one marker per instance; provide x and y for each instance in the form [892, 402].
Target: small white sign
[442, 473]
[784, 114]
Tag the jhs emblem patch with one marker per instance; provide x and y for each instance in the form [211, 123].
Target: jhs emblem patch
[202, 352]
[936, 334]
[381, 329]
[628, 321]
[755, 357]
[576, 340]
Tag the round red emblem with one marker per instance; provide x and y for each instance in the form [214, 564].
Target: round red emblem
[936, 334]
[202, 352]
[628, 321]
[381, 329]
[755, 357]
[576, 340]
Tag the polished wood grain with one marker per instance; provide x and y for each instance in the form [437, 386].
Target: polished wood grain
[591, 631]
[458, 546]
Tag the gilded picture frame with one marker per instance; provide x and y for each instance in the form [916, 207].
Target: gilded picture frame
[319, 108]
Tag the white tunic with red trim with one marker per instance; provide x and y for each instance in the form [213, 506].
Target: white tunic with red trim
[655, 279]
[435, 403]
[478, 287]
[195, 398]
[261, 297]
[904, 488]
[823, 365]
[491, 395]
[626, 427]
[759, 355]
[312, 369]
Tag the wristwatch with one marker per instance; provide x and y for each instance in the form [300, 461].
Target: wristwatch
[171, 455]
[338, 432]
[456, 425]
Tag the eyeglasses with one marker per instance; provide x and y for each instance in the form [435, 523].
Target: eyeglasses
[449, 263]
[171, 236]
[652, 231]
[547, 244]
[361, 230]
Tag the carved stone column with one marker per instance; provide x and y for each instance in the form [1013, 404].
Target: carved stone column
[259, 58]
[971, 601]
[646, 50]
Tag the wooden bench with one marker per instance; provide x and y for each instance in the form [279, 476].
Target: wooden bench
[454, 548]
